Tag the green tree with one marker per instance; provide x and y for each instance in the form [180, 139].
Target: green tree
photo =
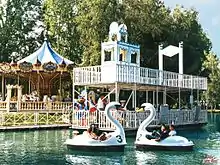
[18, 23]
[93, 20]
[59, 18]
[185, 27]
[212, 70]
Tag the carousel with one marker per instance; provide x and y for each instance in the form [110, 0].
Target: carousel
[38, 77]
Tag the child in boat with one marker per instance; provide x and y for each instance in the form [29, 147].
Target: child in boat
[172, 130]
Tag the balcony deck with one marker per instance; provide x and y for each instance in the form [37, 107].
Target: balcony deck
[128, 74]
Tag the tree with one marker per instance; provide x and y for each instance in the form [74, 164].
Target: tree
[18, 21]
[93, 20]
[185, 27]
[212, 70]
[59, 18]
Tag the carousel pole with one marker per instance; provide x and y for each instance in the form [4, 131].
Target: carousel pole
[18, 79]
[73, 92]
[60, 87]
[38, 85]
[3, 87]
[29, 84]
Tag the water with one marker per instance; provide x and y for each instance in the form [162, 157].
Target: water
[46, 148]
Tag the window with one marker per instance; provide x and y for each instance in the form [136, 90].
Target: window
[122, 55]
[108, 55]
[134, 57]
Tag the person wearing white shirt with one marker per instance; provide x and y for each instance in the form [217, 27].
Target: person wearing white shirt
[172, 130]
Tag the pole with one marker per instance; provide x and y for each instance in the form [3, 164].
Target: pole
[157, 99]
[179, 99]
[146, 96]
[3, 87]
[29, 84]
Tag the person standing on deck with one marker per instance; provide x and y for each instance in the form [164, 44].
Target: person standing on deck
[102, 102]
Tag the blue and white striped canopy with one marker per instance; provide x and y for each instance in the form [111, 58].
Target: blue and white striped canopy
[45, 54]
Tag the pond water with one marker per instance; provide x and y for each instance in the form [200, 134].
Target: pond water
[46, 148]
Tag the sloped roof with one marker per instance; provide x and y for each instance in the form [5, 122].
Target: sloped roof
[45, 54]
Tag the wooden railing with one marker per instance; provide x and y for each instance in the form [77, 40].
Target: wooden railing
[33, 118]
[133, 74]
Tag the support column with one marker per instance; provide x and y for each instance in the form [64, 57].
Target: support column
[135, 96]
[160, 64]
[3, 87]
[8, 99]
[191, 99]
[18, 79]
[157, 101]
[116, 92]
[165, 96]
[29, 85]
[153, 97]
[38, 85]
[179, 100]
[60, 88]
[198, 102]
[73, 86]
[147, 97]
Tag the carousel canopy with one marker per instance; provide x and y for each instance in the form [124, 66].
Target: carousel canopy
[45, 54]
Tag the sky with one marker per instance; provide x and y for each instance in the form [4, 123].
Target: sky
[209, 17]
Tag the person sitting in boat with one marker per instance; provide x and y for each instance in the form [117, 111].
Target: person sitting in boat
[164, 133]
[94, 133]
[172, 130]
[157, 136]
[90, 133]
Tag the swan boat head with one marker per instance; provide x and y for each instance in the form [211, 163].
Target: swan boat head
[142, 132]
[169, 143]
[116, 140]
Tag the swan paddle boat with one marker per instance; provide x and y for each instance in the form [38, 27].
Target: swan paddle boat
[169, 143]
[115, 141]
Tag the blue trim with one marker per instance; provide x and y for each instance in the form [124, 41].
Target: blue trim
[128, 45]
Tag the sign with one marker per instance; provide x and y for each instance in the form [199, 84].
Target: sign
[13, 107]
[49, 67]
[25, 66]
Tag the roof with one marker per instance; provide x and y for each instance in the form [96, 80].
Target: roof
[45, 54]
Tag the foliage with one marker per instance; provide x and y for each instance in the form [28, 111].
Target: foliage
[59, 17]
[93, 20]
[18, 20]
[212, 70]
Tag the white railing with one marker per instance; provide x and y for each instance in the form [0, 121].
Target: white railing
[3, 106]
[132, 119]
[87, 75]
[44, 106]
[132, 74]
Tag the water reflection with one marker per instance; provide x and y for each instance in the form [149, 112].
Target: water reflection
[145, 157]
[95, 159]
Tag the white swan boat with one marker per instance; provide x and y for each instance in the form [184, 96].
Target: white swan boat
[116, 140]
[169, 143]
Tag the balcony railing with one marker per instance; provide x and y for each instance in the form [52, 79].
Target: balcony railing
[132, 74]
